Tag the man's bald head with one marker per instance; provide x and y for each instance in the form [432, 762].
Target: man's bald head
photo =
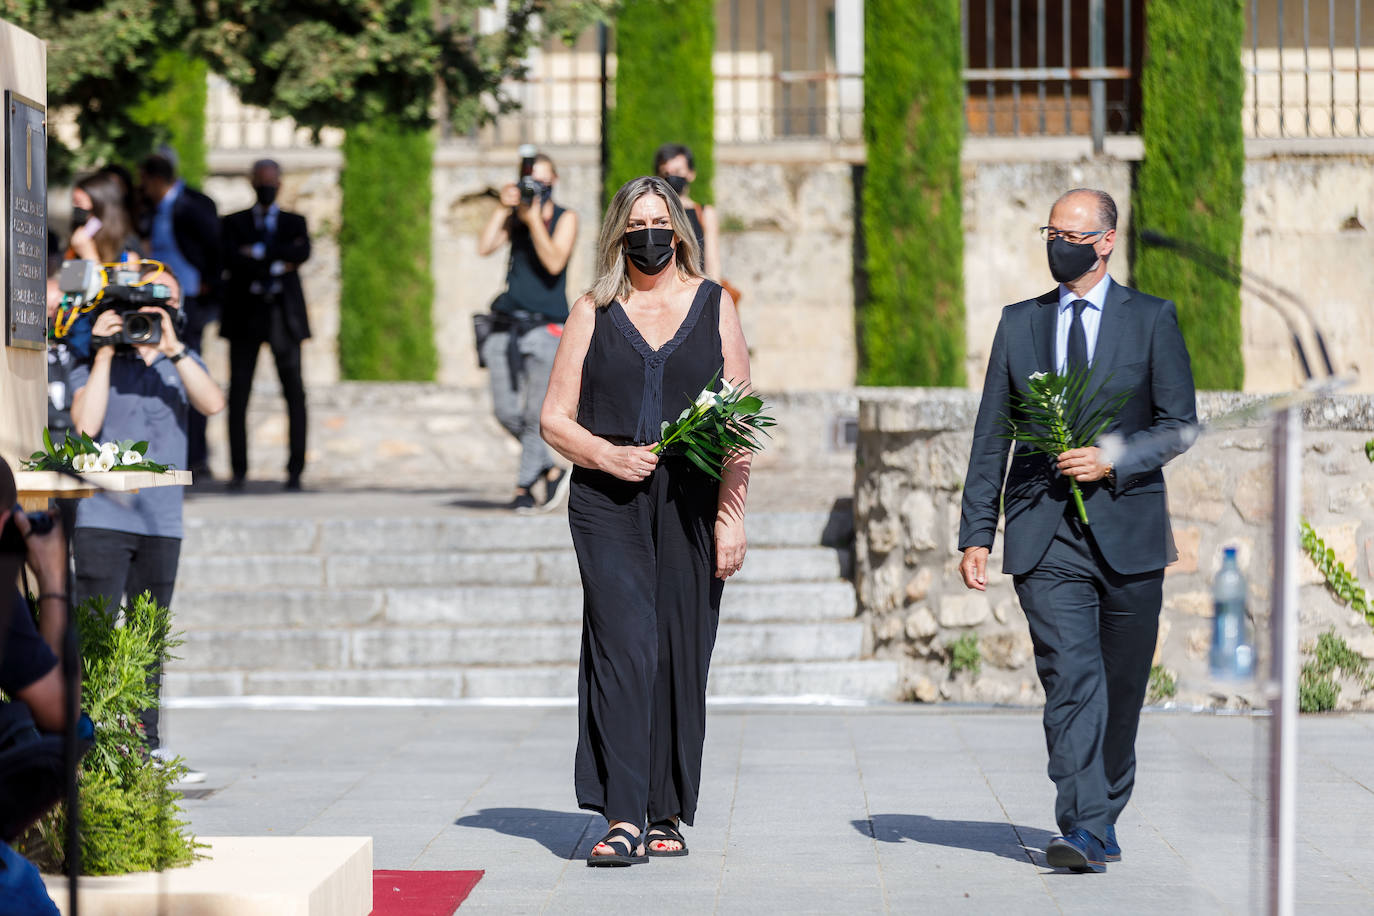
[1098, 203]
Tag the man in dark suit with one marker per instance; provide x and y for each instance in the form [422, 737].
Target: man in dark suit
[1091, 593]
[263, 248]
[182, 228]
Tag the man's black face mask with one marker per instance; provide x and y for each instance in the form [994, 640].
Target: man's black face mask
[1069, 261]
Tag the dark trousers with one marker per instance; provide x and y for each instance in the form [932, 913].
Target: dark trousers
[1094, 634]
[118, 564]
[651, 607]
[243, 362]
[197, 317]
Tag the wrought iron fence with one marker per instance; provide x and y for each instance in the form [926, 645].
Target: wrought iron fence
[1038, 67]
[1305, 73]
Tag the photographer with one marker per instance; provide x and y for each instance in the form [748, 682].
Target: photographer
[29, 671]
[127, 544]
[527, 319]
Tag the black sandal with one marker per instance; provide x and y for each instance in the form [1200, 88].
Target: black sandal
[618, 834]
[664, 832]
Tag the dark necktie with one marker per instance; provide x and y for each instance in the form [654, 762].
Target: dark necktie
[1078, 340]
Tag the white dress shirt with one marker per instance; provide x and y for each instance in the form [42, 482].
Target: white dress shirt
[1092, 318]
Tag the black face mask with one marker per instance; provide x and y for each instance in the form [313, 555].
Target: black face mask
[267, 194]
[1069, 261]
[80, 217]
[677, 182]
[650, 249]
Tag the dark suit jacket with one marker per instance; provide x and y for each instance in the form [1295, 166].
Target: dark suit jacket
[195, 223]
[1140, 350]
[246, 315]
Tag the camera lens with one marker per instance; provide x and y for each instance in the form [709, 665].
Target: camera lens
[138, 328]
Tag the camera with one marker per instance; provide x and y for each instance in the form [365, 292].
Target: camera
[529, 188]
[90, 287]
[12, 540]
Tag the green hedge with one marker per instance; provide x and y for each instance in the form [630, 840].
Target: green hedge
[1190, 183]
[911, 328]
[386, 328]
[664, 89]
[173, 112]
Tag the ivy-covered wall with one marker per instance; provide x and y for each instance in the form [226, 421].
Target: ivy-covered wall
[386, 329]
[1190, 185]
[911, 328]
[664, 89]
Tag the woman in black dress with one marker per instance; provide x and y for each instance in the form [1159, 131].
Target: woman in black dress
[655, 537]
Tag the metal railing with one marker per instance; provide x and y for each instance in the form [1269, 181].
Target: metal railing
[1035, 69]
[1305, 73]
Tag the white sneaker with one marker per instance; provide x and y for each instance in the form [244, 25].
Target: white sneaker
[188, 776]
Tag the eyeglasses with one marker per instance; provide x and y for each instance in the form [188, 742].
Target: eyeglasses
[1049, 234]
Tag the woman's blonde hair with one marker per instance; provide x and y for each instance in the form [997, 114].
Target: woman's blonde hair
[612, 277]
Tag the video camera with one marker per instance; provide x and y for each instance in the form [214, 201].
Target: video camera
[91, 287]
[529, 188]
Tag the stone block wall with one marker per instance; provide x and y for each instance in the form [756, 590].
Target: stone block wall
[912, 456]
[787, 215]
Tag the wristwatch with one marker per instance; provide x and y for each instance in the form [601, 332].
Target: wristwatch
[178, 356]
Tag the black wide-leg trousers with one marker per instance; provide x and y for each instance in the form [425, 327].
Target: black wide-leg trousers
[1094, 634]
[651, 605]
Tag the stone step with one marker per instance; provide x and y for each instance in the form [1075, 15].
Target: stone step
[429, 647]
[348, 537]
[539, 567]
[276, 608]
[866, 680]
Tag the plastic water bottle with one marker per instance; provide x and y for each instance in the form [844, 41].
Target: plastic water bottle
[1233, 654]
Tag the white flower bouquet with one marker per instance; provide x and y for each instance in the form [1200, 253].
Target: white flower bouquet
[84, 455]
[717, 425]
[1057, 415]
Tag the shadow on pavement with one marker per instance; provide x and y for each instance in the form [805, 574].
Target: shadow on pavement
[557, 831]
[997, 837]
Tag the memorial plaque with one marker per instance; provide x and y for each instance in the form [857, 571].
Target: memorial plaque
[26, 219]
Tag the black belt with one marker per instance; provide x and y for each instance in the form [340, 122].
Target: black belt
[517, 323]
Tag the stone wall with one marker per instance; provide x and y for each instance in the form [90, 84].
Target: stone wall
[787, 215]
[912, 456]
[787, 239]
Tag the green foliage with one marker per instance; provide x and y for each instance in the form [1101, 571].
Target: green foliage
[1189, 185]
[1318, 690]
[1162, 685]
[713, 430]
[130, 820]
[964, 655]
[911, 328]
[386, 301]
[1056, 415]
[1369, 450]
[174, 116]
[664, 89]
[340, 63]
[1340, 580]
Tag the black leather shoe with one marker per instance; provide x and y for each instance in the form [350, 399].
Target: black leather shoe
[1111, 847]
[293, 483]
[1077, 851]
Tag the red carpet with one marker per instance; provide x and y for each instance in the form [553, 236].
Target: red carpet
[420, 893]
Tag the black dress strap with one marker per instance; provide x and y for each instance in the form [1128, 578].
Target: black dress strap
[651, 406]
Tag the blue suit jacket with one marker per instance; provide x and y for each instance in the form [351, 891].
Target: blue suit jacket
[1139, 350]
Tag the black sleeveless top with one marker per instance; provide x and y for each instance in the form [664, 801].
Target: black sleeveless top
[528, 285]
[629, 389]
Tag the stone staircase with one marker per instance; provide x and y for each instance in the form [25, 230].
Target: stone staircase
[485, 606]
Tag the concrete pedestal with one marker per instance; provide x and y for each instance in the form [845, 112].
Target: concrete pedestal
[241, 876]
